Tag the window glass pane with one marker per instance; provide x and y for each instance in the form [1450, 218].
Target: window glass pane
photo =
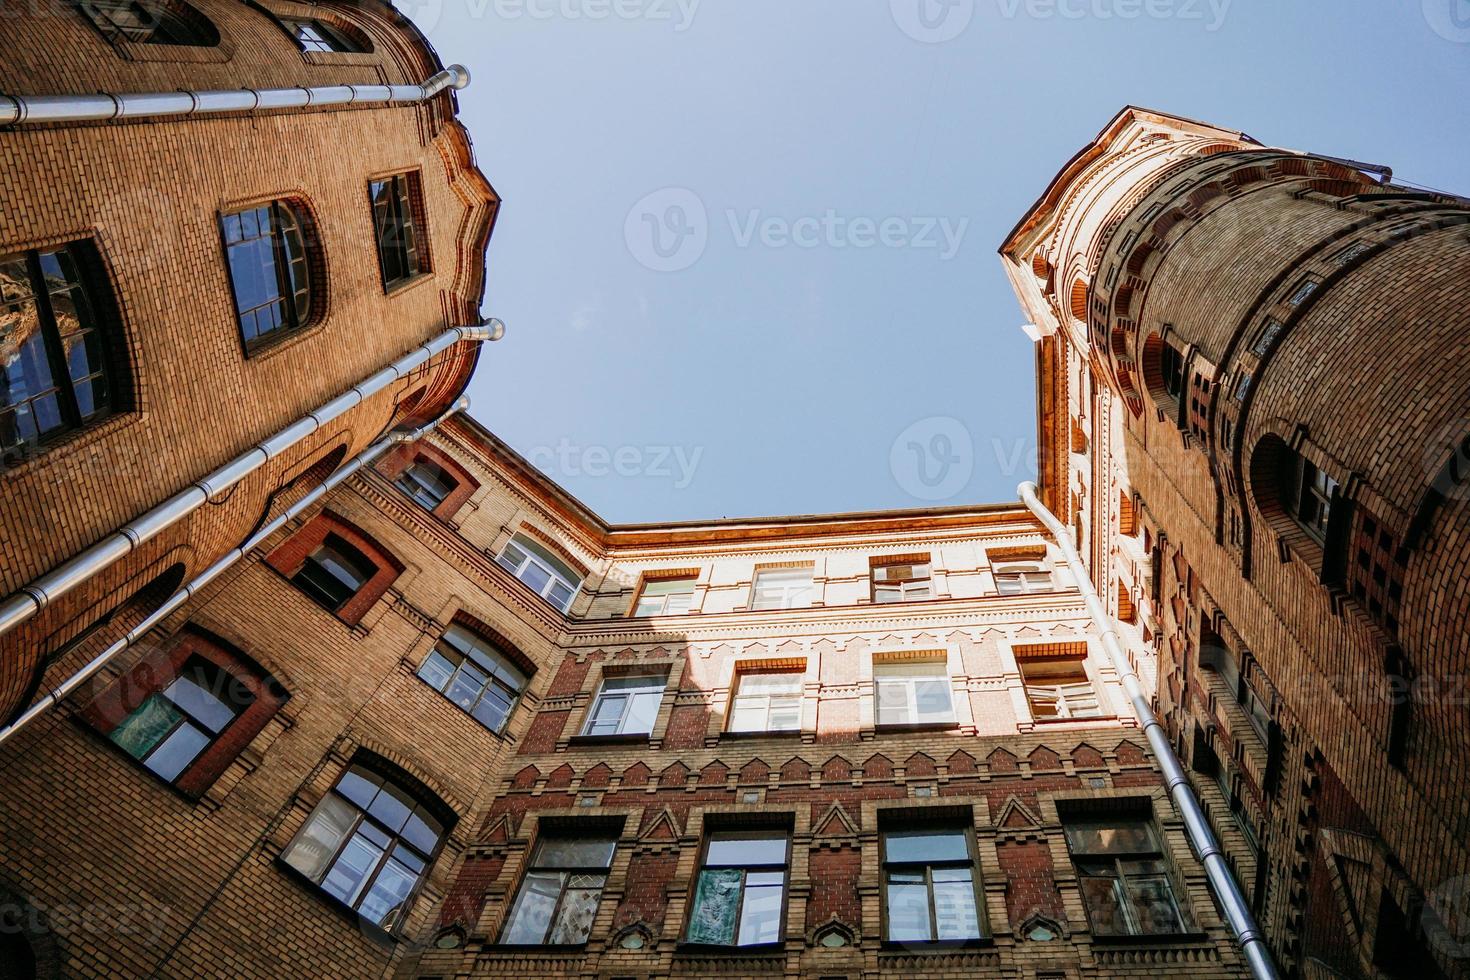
[1153, 904]
[200, 704]
[606, 715]
[642, 710]
[383, 904]
[774, 683]
[436, 670]
[578, 909]
[932, 698]
[316, 844]
[181, 747]
[349, 872]
[746, 851]
[575, 852]
[422, 831]
[784, 717]
[925, 846]
[892, 702]
[760, 919]
[531, 917]
[535, 576]
[1104, 905]
[140, 731]
[954, 904]
[1121, 838]
[493, 709]
[716, 902]
[561, 595]
[748, 717]
[359, 785]
[908, 908]
[391, 807]
[464, 690]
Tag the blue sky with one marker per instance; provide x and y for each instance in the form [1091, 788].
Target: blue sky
[829, 181]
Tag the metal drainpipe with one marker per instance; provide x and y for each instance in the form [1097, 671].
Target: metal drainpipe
[1237, 909]
[23, 109]
[218, 568]
[31, 599]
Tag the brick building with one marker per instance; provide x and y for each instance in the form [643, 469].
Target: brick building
[447, 722]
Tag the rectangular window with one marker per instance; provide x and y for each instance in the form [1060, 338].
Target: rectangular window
[471, 672]
[316, 35]
[1124, 878]
[929, 886]
[562, 888]
[1022, 579]
[173, 727]
[740, 894]
[767, 701]
[400, 256]
[1313, 493]
[1267, 337]
[902, 582]
[912, 692]
[1059, 688]
[626, 705]
[426, 483]
[1303, 292]
[334, 573]
[666, 596]
[1171, 368]
[270, 273]
[782, 588]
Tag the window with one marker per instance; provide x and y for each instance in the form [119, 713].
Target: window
[781, 588]
[929, 885]
[173, 727]
[912, 692]
[666, 596]
[549, 576]
[1267, 337]
[1216, 657]
[902, 583]
[426, 483]
[560, 893]
[316, 35]
[1124, 878]
[1310, 494]
[767, 701]
[468, 670]
[740, 894]
[1021, 579]
[1303, 292]
[56, 371]
[368, 844]
[626, 705]
[1058, 688]
[334, 573]
[1171, 370]
[149, 22]
[399, 255]
[266, 249]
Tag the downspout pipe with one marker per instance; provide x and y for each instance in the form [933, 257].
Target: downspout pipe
[16, 110]
[1186, 804]
[214, 571]
[31, 599]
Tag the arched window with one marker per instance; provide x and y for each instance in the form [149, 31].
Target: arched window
[551, 577]
[60, 355]
[1163, 372]
[475, 674]
[1078, 300]
[426, 482]
[334, 573]
[266, 248]
[1308, 494]
[368, 844]
[150, 22]
[320, 36]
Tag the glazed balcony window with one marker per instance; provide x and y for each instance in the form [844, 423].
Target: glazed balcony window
[334, 573]
[468, 670]
[781, 588]
[767, 702]
[368, 844]
[739, 897]
[626, 705]
[559, 895]
[1124, 878]
[666, 597]
[426, 483]
[270, 271]
[60, 369]
[902, 583]
[912, 692]
[1059, 689]
[547, 575]
[316, 35]
[397, 205]
[929, 885]
[149, 22]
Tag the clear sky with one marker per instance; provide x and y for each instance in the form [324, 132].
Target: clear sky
[746, 252]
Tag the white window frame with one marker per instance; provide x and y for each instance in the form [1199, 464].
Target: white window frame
[783, 591]
[1034, 577]
[767, 701]
[625, 689]
[1070, 699]
[528, 559]
[905, 675]
[905, 590]
[669, 603]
